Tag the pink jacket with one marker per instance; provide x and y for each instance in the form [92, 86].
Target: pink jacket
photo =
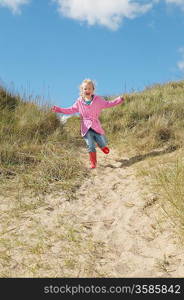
[89, 113]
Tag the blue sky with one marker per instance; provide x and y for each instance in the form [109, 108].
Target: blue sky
[47, 47]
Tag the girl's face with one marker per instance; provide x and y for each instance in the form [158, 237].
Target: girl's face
[87, 89]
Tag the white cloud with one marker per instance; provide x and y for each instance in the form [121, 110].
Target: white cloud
[177, 2]
[108, 13]
[180, 64]
[14, 5]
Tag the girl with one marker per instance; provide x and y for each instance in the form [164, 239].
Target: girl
[89, 106]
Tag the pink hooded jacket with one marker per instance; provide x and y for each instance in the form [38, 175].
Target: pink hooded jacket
[89, 113]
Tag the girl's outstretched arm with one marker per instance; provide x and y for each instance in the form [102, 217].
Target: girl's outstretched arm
[107, 104]
[70, 110]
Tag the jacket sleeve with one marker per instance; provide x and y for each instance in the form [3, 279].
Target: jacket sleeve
[70, 110]
[107, 104]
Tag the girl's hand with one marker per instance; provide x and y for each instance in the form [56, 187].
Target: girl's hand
[54, 108]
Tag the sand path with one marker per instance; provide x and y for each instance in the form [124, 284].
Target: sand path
[112, 226]
[121, 212]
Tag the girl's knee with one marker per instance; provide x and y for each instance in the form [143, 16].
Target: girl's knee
[91, 148]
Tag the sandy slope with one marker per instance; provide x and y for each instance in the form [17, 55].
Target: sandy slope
[120, 211]
[112, 227]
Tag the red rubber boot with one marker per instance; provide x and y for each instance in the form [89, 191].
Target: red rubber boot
[92, 156]
[105, 150]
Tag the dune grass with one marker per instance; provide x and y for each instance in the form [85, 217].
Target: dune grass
[167, 180]
[36, 151]
[150, 119]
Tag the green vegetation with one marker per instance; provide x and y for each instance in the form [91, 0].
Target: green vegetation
[168, 180]
[35, 148]
[150, 119]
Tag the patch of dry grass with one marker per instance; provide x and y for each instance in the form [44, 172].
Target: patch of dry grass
[36, 151]
[40, 239]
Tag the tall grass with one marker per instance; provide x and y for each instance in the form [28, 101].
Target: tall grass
[168, 181]
[35, 148]
[150, 119]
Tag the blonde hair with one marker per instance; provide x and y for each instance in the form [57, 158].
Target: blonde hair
[87, 81]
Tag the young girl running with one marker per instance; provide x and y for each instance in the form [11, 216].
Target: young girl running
[89, 106]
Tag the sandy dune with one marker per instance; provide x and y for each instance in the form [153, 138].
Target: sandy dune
[113, 226]
[120, 211]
